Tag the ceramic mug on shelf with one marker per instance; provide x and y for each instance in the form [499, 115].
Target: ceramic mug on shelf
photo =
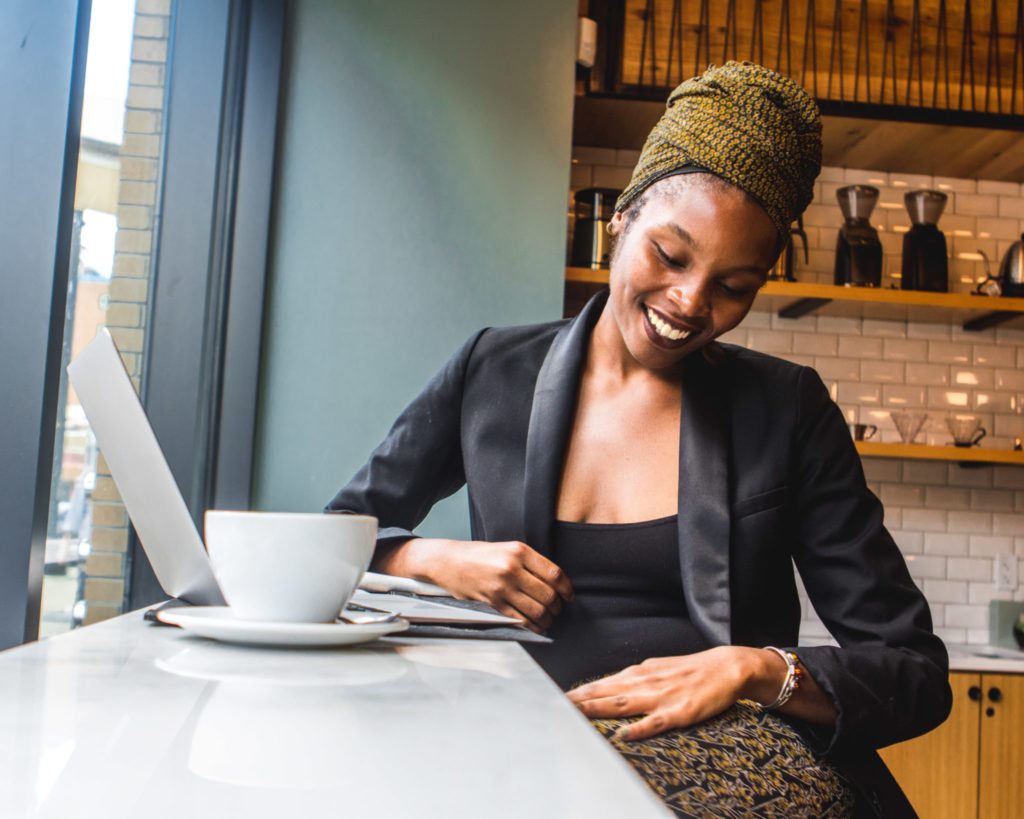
[862, 432]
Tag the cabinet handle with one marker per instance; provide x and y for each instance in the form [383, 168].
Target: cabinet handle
[990, 711]
[995, 694]
[974, 692]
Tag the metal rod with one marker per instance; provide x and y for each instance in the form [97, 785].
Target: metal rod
[941, 53]
[915, 48]
[862, 37]
[648, 11]
[730, 22]
[810, 38]
[1018, 46]
[676, 25]
[757, 34]
[784, 24]
[993, 57]
[890, 47]
[837, 34]
[967, 56]
[703, 31]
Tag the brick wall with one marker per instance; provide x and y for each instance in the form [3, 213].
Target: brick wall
[950, 522]
[106, 567]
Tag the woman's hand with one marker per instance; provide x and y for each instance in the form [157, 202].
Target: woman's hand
[509, 575]
[672, 692]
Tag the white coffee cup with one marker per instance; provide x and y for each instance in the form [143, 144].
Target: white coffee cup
[292, 567]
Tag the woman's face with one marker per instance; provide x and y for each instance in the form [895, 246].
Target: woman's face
[695, 256]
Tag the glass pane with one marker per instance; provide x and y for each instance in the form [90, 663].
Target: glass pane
[86, 571]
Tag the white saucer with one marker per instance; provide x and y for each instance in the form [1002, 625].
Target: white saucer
[219, 623]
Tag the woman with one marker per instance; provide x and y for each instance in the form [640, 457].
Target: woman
[642, 492]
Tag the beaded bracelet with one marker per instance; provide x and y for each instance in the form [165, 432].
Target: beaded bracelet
[794, 673]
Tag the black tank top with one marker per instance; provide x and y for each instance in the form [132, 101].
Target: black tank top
[629, 600]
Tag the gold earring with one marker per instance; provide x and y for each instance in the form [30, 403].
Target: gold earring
[608, 228]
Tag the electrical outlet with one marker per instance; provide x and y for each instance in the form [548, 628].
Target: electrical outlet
[1006, 572]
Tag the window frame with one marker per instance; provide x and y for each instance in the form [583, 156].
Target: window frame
[204, 334]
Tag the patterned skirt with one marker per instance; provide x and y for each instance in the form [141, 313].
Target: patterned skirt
[744, 762]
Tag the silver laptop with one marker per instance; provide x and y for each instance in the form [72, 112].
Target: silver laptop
[162, 520]
[144, 479]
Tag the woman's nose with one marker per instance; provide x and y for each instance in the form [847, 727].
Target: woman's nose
[692, 298]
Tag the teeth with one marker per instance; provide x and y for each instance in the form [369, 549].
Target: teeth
[664, 329]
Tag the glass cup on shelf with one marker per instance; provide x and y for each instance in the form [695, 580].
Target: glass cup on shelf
[966, 430]
[908, 423]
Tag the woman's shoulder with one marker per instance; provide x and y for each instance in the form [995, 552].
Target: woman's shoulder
[743, 360]
[517, 340]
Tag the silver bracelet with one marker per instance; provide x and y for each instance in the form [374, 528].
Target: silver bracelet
[792, 682]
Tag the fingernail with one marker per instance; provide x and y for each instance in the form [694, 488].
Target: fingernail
[622, 733]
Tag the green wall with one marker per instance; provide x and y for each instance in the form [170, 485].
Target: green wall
[422, 188]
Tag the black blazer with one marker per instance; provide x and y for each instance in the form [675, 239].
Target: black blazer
[768, 477]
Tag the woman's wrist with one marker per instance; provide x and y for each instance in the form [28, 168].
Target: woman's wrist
[418, 558]
[764, 675]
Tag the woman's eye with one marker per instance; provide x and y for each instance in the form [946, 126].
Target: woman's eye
[733, 292]
[668, 259]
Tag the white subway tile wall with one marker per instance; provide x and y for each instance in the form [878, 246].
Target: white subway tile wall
[950, 522]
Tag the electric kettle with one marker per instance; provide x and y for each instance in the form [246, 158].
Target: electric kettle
[782, 271]
[1011, 270]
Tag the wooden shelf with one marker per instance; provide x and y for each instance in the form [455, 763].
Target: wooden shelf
[973, 455]
[795, 299]
[848, 142]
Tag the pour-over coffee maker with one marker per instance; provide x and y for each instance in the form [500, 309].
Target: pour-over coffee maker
[858, 250]
[925, 265]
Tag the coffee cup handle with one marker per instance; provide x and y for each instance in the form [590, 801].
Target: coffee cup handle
[981, 434]
[871, 430]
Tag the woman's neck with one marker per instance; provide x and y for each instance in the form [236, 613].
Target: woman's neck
[611, 364]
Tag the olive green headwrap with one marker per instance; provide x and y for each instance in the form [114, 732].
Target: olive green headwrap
[750, 125]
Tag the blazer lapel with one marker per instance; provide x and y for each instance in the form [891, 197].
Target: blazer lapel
[704, 521]
[554, 404]
[703, 530]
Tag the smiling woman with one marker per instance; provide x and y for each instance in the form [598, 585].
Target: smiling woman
[645, 506]
[678, 293]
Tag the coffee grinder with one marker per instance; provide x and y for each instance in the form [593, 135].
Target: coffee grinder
[858, 250]
[925, 265]
[590, 241]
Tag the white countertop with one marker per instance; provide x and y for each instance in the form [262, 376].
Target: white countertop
[985, 658]
[124, 719]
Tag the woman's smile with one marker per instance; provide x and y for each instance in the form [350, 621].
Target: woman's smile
[661, 332]
[690, 263]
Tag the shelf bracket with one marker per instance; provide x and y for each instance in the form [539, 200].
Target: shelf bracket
[801, 307]
[986, 320]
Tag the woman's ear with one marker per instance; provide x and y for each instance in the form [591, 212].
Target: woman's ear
[614, 227]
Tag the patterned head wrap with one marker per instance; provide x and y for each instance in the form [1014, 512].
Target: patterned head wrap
[750, 125]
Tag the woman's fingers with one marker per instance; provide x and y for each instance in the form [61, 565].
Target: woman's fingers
[540, 591]
[619, 705]
[531, 609]
[649, 726]
[547, 571]
[611, 685]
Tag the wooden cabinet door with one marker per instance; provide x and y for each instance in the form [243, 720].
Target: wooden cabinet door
[1001, 783]
[939, 771]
